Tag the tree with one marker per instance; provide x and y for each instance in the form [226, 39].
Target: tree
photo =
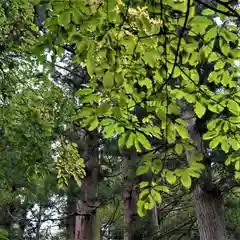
[156, 59]
[160, 58]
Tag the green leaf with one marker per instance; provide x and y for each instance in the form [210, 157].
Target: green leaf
[181, 122]
[208, 11]
[142, 170]
[200, 23]
[122, 140]
[225, 145]
[209, 135]
[216, 108]
[186, 180]
[156, 196]
[151, 57]
[81, 47]
[211, 125]
[162, 188]
[199, 109]
[144, 193]
[191, 172]
[182, 131]
[226, 126]
[211, 34]
[233, 106]
[143, 184]
[120, 129]
[234, 119]
[90, 62]
[64, 18]
[143, 140]
[140, 208]
[119, 79]
[225, 49]
[91, 98]
[229, 160]
[170, 177]
[214, 143]
[76, 15]
[109, 131]
[237, 165]
[196, 166]
[178, 149]
[94, 124]
[130, 140]
[108, 80]
[219, 65]
[150, 203]
[84, 91]
[213, 57]
[234, 143]
[111, 10]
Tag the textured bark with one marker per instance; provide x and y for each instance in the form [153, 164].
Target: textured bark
[87, 223]
[130, 199]
[71, 210]
[208, 204]
[209, 215]
[209, 208]
[130, 214]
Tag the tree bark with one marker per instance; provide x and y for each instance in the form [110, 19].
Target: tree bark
[131, 218]
[87, 222]
[208, 204]
[71, 211]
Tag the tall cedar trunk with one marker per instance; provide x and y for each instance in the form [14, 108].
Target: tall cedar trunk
[87, 223]
[71, 211]
[208, 204]
[130, 199]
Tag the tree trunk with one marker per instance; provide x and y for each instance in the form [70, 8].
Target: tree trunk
[87, 221]
[131, 217]
[209, 215]
[208, 203]
[71, 211]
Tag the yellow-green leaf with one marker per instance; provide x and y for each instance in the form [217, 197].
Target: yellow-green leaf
[199, 109]
[170, 177]
[186, 180]
[142, 170]
[178, 149]
[143, 140]
[93, 124]
[130, 140]
[108, 80]
[182, 131]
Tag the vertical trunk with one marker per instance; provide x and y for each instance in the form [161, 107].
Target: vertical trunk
[209, 215]
[207, 203]
[71, 211]
[130, 214]
[130, 199]
[87, 222]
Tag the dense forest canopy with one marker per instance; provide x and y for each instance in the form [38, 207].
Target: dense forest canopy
[120, 119]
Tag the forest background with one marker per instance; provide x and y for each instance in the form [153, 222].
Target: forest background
[119, 119]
